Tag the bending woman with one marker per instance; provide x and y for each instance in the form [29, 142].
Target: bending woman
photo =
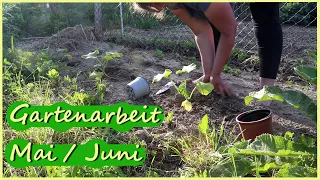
[201, 18]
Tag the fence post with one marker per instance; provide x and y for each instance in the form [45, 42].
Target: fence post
[121, 18]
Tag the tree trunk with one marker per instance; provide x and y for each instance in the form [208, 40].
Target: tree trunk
[97, 21]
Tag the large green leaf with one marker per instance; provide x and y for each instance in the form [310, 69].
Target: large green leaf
[204, 88]
[226, 169]
[107, 57]
[308, 73]
[296, 99]
[313, 54]
[271, 145]
[297, 171]
[266, 167]
[165, 74]
[187, 69]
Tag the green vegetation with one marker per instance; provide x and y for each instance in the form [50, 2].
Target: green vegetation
[213, 153]
[158, 53]
[203, 88]
[239, 54]
[295, 99]
[215, 150]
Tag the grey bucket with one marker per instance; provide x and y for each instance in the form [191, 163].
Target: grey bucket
[138, 88]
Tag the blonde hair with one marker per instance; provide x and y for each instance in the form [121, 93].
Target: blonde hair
[145, 8]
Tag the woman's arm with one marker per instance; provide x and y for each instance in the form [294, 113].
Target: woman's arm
[203, 37]
[222, 17]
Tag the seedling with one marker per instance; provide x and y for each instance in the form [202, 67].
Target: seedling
[103, 62]
[227, 68]
[240, 54]
[236, 72]
[169, 118]
[53, 76]
[203, 88]
[158, 53]
[68, 56]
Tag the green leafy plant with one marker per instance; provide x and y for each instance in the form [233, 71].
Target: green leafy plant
[203, 88]
[101, 89]
[70, 83]
[103, 62]
[78, 98]
[295, 99]
[53, 76]
[307, 73]
[236, 72]
[169, 119]
[158, 53]
[68, 56]
[240, 54]
[226, 68]
[189, 44]
[213, 154]
[203, 152]
[285, 154]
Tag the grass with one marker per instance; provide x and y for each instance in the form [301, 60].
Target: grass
[46, 88]
[202, 152]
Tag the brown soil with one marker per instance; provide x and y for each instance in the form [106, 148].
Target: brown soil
[139, 62]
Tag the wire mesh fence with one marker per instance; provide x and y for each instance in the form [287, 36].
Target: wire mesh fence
[170, 34]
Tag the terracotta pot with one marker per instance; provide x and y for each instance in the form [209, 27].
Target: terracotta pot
[254, 123]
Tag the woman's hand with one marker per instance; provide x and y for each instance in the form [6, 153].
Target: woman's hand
[220, 87]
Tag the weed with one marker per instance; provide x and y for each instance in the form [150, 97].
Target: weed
[68, 56]
[158, 53]
[169, 119]
[239, 54]
[205, 151]
[226, 68]
[236, 72]
[213, 154]
[189, 44]
[54, 77]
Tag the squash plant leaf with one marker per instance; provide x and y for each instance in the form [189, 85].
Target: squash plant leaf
[296, 99]
[92, 55]
[270, 145]
[187, 105]
[204, 88]
[297, 171]
[96, 75]
[117, 55]
[187, 69]
[108, 57]
[165, 74]
[226, 169]
[308, 73]
[182, 89]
